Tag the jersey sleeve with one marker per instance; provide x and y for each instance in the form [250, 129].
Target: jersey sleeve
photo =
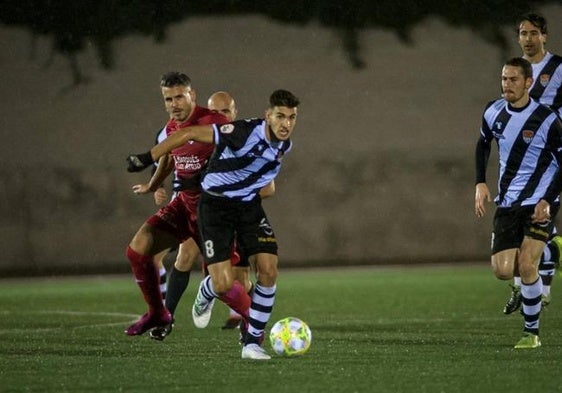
[234, 135]
[483, 148]
[554, 143]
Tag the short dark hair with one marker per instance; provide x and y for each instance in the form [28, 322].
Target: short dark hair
[521, 63]
[174, 78]
[283, 98]
[536, 20]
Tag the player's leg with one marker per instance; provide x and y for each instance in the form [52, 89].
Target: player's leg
[219, 280]
[216, 218]
[514, 301]
[263, 296]
[257, 238]
[159, 263]
[506, 240]
[188, 251]
[263, 299]
[219, 284]
[504, 265]
[550, 260]
[531, 291]
[241, 275]
[147, 242]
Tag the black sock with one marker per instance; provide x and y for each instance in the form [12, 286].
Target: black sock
[177, 283]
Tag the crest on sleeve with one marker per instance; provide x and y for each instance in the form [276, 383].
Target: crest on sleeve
[527, 136]
[227, 129]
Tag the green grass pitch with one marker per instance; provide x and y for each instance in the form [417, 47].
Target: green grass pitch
[414, 329]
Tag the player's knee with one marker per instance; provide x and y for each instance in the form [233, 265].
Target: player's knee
[502, 271]
[142, 241]
[503, 276]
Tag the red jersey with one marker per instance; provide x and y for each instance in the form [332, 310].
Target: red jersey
[191, 157]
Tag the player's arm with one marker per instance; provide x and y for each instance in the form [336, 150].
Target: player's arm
[268, 191]
[203, 133]
[482, 193]
[163, 170]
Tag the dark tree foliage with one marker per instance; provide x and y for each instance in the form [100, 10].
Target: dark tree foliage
[72, 23]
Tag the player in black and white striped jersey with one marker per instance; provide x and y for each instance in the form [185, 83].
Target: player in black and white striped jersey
[529, 139]
[222, 102]
[547, 67]
[546, 89]
[247, 157]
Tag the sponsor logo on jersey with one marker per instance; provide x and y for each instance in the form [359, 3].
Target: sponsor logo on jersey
[538, 231]
[544, 79]
[498, 126]
[192, 162]
[527, 136]
[227, 129]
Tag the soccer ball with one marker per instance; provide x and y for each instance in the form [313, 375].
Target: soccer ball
[290, 337]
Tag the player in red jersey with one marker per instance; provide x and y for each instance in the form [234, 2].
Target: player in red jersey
[177, 221]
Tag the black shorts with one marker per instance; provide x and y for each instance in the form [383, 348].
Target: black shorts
[222, 219]
[512, 224]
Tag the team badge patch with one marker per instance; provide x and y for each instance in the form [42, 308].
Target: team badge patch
[527, 136]
[544, 79]
[227, 129]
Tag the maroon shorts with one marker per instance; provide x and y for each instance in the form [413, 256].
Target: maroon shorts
[179, 217]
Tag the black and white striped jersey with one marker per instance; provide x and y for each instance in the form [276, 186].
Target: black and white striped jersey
[529, 143]
[547, 84]
[244, 160]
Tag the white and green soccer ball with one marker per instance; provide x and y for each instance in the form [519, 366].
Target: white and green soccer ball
[290, 337]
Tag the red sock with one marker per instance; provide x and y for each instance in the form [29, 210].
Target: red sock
[147, 278]
[237, 299]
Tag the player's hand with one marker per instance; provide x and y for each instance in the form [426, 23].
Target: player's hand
[481, 196]
[541, 213]
[139, 162]
[141, 189]
[160, 196]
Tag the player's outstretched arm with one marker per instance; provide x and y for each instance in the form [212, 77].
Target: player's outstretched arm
[202, 134]
[139, 162]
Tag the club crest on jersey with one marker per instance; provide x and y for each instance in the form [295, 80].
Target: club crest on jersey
[527, 136]
[227, 129]
[544, 79]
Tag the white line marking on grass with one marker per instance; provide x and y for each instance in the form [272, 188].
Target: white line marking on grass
[106, 314]
[133, 318]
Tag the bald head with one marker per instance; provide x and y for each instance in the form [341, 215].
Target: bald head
[222, 102]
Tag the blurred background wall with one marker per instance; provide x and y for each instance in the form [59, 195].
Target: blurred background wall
[382, 167]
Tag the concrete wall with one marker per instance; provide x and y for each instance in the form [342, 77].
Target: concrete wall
[382, 168]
